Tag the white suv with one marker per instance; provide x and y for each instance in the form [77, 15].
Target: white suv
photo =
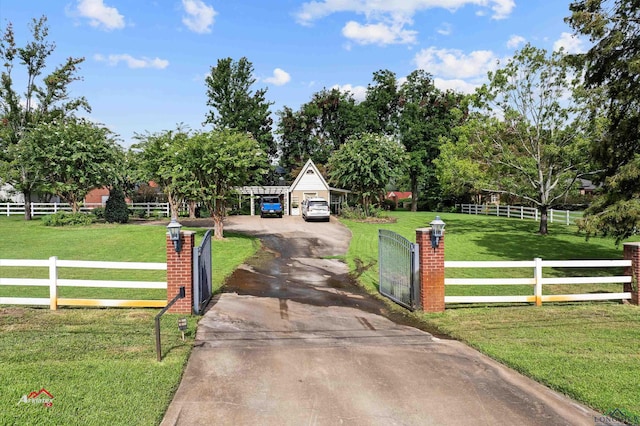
[315, 208]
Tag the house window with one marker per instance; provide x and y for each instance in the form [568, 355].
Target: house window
[310, 172]
[495, 198]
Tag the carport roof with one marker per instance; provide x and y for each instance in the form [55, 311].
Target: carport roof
[263, 190]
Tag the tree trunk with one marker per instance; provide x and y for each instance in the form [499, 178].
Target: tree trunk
[173, 206]
[192, 209]
[27, 205]
[414, 193]
[544, 216]
[218, 215]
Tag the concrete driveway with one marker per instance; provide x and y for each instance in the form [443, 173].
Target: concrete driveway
[292, 341]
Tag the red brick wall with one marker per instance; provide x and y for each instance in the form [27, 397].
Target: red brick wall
[431, 271]
[95, 195]
[632, 252]
[180, 272]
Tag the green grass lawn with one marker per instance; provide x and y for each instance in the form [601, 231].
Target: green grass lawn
[590, 351]
[99, 364]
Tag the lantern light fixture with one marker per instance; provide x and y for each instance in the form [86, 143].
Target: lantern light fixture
[174, 234]
[437, 231]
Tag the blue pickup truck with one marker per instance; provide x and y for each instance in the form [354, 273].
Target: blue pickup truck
[270, 206]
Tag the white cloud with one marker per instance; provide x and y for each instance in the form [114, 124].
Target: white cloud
[200, 16]
[132, 62]
[378, 33]
[445, 29]
[502, 8]
[395, 10]
[359, 92]
[280, 77]
[100, 15]
[386, 21]
[515, 41]
[455, 84]
[452, 63]
[570, 43]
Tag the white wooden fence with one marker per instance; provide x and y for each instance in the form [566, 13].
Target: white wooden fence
[538, 281]
[43, 209]
[53, 282]
[568, 217]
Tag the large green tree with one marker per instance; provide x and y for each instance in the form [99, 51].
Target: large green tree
[75, 156]
[613, 65]
[365, 164]
[531, 131]
[426, 114]
[236, 106]
[45, 98]
[156, 158]
[318, 128]
[220, 160]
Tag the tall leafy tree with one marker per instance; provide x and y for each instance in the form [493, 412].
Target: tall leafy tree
[220, 160]
[318, 128]
[45, 98]
[366, 164]
[382, 104]
[156, 158]
[613, 65]
[236, 106]
[531, 132]
[426, 114]
[75, 156]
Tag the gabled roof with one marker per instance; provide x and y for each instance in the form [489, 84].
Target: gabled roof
[309, 165]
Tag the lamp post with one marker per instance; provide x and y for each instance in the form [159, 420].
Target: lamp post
[437, 230]
[174, 234]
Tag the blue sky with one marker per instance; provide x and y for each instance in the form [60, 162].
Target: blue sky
[146, 61]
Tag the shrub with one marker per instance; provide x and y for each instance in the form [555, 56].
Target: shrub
[117, 210]
[68, 219]
[98, 212]
[389, 204]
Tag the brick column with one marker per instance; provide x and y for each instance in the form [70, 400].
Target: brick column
[632, 253]
[180, 272]
[431, 272]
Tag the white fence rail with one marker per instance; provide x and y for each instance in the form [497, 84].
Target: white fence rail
[568, 217]
[53, 282]
[537, 281]
[43, 209]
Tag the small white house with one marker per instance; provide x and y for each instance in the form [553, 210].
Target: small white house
[308, 184]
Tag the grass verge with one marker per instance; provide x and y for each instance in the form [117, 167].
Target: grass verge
[99, 364]
[589, 351]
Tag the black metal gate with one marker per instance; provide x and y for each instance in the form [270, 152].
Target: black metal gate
[202, 274]
[398, 269]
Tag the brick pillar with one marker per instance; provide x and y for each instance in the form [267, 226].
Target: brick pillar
[632, 253]
[180, 272]
[431, 272]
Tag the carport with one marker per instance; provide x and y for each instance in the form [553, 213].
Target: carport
[253, 191]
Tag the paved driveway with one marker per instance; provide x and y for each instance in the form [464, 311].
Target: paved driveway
[292, 341]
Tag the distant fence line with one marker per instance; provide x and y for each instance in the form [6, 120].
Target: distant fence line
[567, 217]
[43, 209]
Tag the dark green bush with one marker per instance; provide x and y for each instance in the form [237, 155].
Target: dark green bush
[98, 212]
[117, 210]
[68, 219]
